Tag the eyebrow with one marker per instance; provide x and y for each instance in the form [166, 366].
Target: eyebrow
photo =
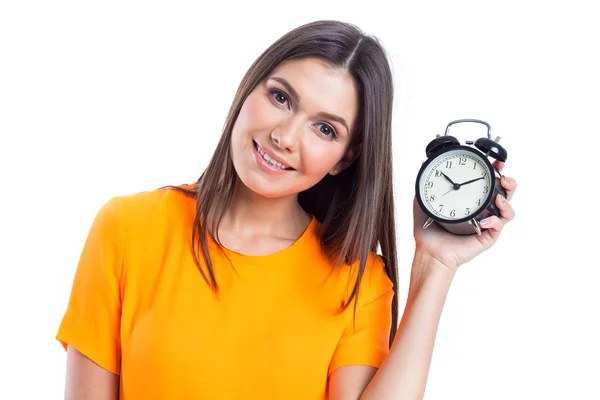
[296, 97]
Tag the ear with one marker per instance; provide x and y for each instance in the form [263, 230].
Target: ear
[351, 155]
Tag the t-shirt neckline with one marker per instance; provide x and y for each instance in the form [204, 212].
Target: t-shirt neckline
[296, 249]
[290, 252]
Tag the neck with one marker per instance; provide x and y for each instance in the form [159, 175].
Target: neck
[251, 213]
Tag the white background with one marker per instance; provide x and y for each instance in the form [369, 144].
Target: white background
[107, 98]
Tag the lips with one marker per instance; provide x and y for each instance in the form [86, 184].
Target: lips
[269, 157]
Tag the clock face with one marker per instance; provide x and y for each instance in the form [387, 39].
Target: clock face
[456, 184]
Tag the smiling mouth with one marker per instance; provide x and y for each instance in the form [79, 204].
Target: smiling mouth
[268, 159]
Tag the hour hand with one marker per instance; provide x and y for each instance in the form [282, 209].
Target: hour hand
[471, 181]
[448, 179]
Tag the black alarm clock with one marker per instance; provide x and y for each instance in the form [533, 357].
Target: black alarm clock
[457, 185]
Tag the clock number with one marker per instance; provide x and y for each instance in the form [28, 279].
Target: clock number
[441, 206]
[462, 161]
[452, 213]
[438, 173]
[432, 197]
[474, 164]
[430, 184]
[467, 211]
[483, 173]
[485, 189]
[448, 164]
[479, 202]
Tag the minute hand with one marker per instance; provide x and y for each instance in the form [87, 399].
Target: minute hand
[471, 181]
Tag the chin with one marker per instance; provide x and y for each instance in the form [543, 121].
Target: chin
[270, 190]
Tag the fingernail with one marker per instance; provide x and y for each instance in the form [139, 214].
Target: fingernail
[506, 179]
[502, 199]
[484, 222]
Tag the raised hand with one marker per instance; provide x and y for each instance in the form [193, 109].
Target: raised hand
[452, 250]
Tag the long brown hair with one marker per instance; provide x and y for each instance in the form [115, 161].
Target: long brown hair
[355, 208]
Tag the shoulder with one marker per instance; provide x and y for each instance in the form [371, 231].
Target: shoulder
[376, 268]
[167, 203]
[135, 215]
[375, 281]
[165, 199]
[375, 276]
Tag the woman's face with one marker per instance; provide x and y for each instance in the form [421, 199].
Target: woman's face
[300, 117]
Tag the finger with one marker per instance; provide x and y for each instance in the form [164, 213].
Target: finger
[510, 185]
[493, 224]
[499, 165]
[507, 213]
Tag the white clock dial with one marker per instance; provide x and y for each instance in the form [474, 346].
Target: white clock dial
[455, 185]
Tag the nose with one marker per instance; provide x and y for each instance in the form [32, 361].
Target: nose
[287, 134]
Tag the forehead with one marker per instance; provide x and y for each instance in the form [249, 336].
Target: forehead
[321, 87]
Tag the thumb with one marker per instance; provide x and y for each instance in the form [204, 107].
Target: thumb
[499, 165]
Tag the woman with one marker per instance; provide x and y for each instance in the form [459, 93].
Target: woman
[262, 279]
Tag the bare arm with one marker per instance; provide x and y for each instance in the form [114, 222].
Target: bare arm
[86, 380]
[403, 375]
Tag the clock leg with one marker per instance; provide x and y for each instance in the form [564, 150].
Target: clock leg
[427, 223]
[476, 226]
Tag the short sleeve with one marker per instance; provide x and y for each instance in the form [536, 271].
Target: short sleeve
[365, 340]
[91, 323]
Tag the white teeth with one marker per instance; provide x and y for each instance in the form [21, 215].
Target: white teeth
[269, 159]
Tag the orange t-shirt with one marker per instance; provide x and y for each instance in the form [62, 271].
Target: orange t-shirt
[140, 308]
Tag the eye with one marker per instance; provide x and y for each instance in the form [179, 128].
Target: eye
[279, 96]
[327, 130]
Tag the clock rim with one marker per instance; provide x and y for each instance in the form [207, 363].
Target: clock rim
[430, 159]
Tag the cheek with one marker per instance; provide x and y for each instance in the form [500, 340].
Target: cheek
[255, 114]
[244, 123]
[320, 157]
